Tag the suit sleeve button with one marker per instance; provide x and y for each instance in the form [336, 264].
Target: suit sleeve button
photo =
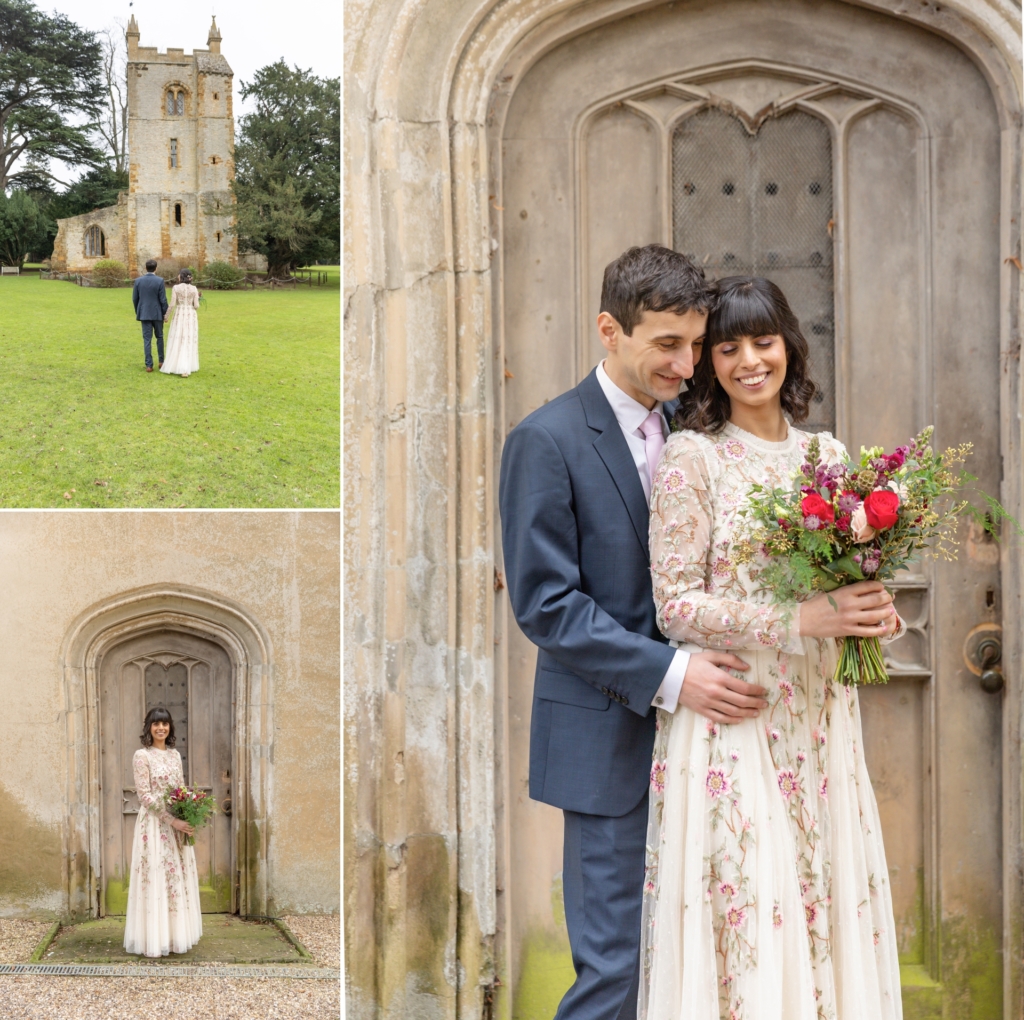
[625, 701]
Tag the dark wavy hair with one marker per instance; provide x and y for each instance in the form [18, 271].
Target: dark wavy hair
[157, 715]
[185, 276]
[746, 306]
[655, 279]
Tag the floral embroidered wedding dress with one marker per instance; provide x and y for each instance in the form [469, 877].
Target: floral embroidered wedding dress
[766, 894]
[183, 338]
[163, 890]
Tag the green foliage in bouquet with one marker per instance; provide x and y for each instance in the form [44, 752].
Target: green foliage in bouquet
[844, 522]
[191, 805]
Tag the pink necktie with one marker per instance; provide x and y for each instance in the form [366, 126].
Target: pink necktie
[654, 441]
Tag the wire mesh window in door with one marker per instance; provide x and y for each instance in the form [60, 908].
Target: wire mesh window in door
[761, 205]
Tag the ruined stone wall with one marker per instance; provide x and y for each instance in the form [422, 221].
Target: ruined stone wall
[426, 717]
[282, 568]
[69, 245]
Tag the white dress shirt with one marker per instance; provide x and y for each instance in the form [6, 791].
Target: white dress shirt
[630, 414]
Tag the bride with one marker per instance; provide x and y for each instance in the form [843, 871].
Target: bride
[766, 894]
[163, 890]
[183, 339]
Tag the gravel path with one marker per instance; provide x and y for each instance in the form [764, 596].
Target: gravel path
[19, 938]
[32, 997]
[321, 935]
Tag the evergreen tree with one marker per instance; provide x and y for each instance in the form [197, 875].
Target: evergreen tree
[49, 75]
[288, 168]
[23, 228]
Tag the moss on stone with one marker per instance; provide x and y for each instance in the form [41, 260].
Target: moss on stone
[972, 970]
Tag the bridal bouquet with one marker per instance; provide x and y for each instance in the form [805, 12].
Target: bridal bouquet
[191, 805]
[848, 522]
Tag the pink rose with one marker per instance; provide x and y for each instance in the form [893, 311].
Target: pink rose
[859, 527]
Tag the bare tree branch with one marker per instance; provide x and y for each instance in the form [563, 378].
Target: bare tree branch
[112, 125]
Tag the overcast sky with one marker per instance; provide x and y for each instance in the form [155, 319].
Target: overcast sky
[255, 32]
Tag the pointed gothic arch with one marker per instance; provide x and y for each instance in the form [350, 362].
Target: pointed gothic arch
[191, 611]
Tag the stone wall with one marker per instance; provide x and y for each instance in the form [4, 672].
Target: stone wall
[182, 214]
[426, 780]
[69, 245]
[281, 568]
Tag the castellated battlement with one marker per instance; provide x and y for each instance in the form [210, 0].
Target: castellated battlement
[180, 206]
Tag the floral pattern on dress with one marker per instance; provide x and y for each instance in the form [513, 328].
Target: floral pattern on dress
[163, 913]
[751, 823]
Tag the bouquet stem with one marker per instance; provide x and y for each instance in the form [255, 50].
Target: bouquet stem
[860, 662]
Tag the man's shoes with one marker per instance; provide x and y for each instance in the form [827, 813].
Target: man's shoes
[161, 365]
[149, 368]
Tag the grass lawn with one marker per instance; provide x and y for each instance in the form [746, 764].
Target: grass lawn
[82, 424]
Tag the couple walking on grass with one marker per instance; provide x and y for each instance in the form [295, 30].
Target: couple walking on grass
[723, 854]
[152, 310]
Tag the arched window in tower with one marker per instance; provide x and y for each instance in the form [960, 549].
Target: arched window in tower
[95, 243]
[175, 102]
[174, 153]
[177, 213]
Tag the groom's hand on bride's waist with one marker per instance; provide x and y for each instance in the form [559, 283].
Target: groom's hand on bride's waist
[712, 692]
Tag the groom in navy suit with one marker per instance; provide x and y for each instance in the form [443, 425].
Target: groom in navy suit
[575, 490]
[150, 300]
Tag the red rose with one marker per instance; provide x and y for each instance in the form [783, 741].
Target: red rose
[843, 524]
[813, 505]
[881, 508]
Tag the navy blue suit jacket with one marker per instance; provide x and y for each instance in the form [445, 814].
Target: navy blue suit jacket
[574, 524]
[149, 298]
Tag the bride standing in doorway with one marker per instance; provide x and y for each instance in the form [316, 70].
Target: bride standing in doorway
[163, 889]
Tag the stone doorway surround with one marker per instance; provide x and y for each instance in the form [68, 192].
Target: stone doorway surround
[427, 87]
[128, 614]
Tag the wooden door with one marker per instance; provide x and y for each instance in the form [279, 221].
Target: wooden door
[190, 677]
[854, 159]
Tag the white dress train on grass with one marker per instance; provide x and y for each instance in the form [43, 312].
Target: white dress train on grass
[182, 355]
[767, 895]
[163, 889]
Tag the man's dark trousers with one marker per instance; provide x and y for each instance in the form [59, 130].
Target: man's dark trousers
[149, 327]
[150, 300]
[574, 522]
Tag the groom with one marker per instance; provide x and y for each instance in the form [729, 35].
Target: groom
[150, 300]
[575, 488]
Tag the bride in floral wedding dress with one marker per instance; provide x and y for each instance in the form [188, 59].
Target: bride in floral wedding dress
[183, 338]
[163, 889]
[767, 895]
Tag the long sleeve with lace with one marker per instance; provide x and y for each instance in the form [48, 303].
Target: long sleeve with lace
[701, 596]
[150, 797]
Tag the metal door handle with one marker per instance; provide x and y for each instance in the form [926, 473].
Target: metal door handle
[990, 651]
[226, 806]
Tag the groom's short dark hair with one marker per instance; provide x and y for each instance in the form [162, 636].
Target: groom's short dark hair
[653, 278]
[151, 266]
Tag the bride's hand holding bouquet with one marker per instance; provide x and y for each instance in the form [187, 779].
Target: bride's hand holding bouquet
[845, 528]
[190, 808]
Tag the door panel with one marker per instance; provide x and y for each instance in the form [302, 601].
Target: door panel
[900, 131]
[191, 678]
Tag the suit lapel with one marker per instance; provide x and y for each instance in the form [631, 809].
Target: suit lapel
[612, 448]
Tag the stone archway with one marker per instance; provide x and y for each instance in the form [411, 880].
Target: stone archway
[188, 611]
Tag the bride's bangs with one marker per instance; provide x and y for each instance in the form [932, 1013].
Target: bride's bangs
[740, 312]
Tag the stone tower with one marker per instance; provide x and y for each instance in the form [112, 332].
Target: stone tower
[181, 155]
